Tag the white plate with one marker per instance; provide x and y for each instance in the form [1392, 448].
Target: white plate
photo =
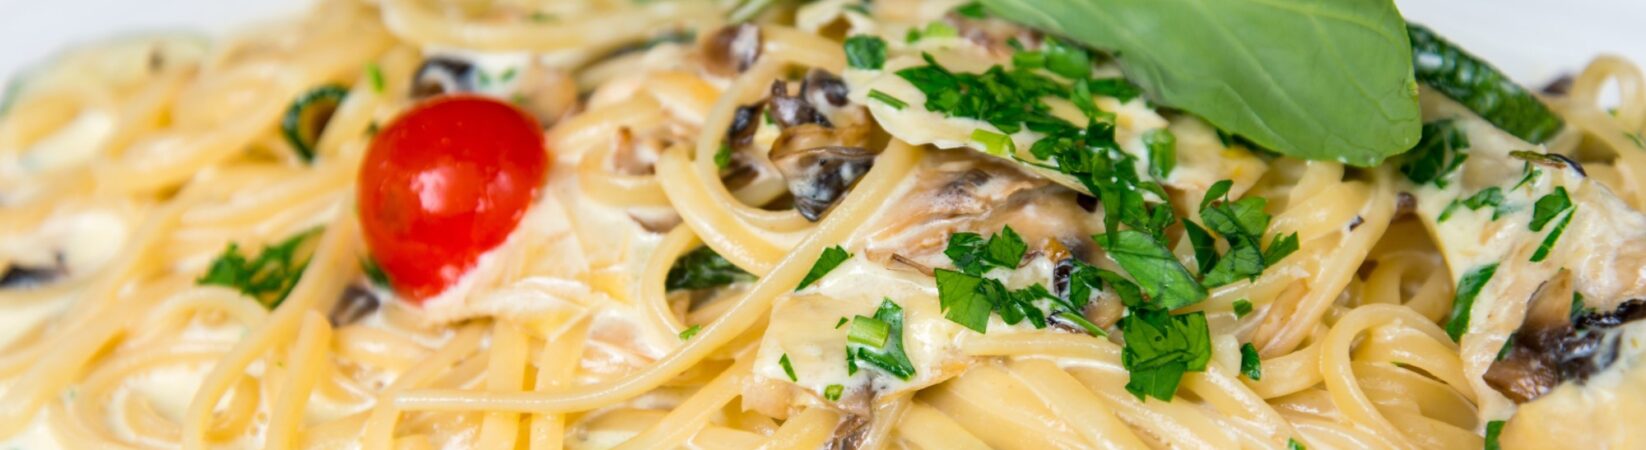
[1533, 40]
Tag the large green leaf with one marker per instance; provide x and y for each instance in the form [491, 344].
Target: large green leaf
[1316, 79]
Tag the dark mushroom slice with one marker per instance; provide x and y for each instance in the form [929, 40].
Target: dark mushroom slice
[732, 49]
[820, 164]
[745, 121]
[441, 75]
[355, 303]
[21, 276]
[793, 110]
[1554, 346]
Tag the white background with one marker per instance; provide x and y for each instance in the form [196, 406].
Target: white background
[1533, 40]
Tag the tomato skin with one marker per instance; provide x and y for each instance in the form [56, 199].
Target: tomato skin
[445, 182]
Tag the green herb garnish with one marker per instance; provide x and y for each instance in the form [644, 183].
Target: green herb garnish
[1160, 347]
[307, 117]
[1439, 153]
[1242, 307]
[375, 273]
[1293, 444]
[1162, 146]
[1250, 364]
[1301, 104]
[865, 52]
[1550, 239]
[270, 276]
[723, 156]
[788, 369]
[687, 334]
[888, 99]
[833, 391]
[1480, 87]
[1549, 206]
[1494, 430]
[375, 74]
[831, 258]
[703, 269]
[888, 357]
[1467, 289]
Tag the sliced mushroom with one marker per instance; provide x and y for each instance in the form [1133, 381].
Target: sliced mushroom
[820, 164]
[443, 75]
[20, 276]
[849, 433]
[1552, 347]
[732, 50]
[745, 121]
[356, 303]
[794, 110]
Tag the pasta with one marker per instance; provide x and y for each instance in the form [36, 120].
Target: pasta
[749, 232]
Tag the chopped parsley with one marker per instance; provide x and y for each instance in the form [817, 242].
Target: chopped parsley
[833, 391]
[1160, 347]
[508, 75]
[1250, 364]
[374, 273]
[788, 369]
[865, 52]
[888, 99]
[1548, 206]
[1578, 309]
[1293, 444]
[375, 74]
[1467, 289]
[1242, 224]
[1439, 153]
[1163, 279]
[703, 269]
[830, 259]
[270, 276]
[1508, 344]
[1494, 430]
[995, 143]
[1242, 307]
[1068, 60]
[888, 357]
[723, 156]
[972, 10]
[840, 323]
[1550, 239]
[967, 297]
[1492, 196]
[935, 29]
[687, 334]
[1162, 146]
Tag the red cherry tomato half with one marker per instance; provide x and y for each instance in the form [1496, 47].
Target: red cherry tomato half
[443, 183]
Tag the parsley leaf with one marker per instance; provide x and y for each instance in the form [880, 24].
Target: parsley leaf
[1549, 240]
[1293, 444]
[1467, 289]
[1160, 347]
[270, 276]
[1250, 364]
[1548, 206]
[1162, 146]
[687, 334]
[1242, 307]
[973, 255]
[889, 357]
[830, 259]
[1163, 279]
[865, 52]
[1067, 60]
[1205, 246]
[723, 156]
[962, 299]
[375, 274]
[374, 73]
[972, 10]
[703, 269]
[1439, 153]
[833, 391]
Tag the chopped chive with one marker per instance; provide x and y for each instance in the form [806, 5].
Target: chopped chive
[787, 368]
[868, 331]
[375, 74]
[689, 332]
[887, 99]
[833, 391]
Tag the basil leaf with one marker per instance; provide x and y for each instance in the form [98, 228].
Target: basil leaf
[1354, 100]
[1480, 87]
[1163, 279]
[831, 258]
[702, 269]
[1467, 289]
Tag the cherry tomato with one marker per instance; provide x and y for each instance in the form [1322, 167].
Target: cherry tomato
[442, 184]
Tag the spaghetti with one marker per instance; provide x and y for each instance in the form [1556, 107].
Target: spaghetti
[128, 168]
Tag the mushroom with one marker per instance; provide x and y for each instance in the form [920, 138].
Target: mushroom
[822, 100]
[19, 276]
[355, 303]
[820, 164]
[745, 121]
[443, 75]
[1554, 346]
[732, 50]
